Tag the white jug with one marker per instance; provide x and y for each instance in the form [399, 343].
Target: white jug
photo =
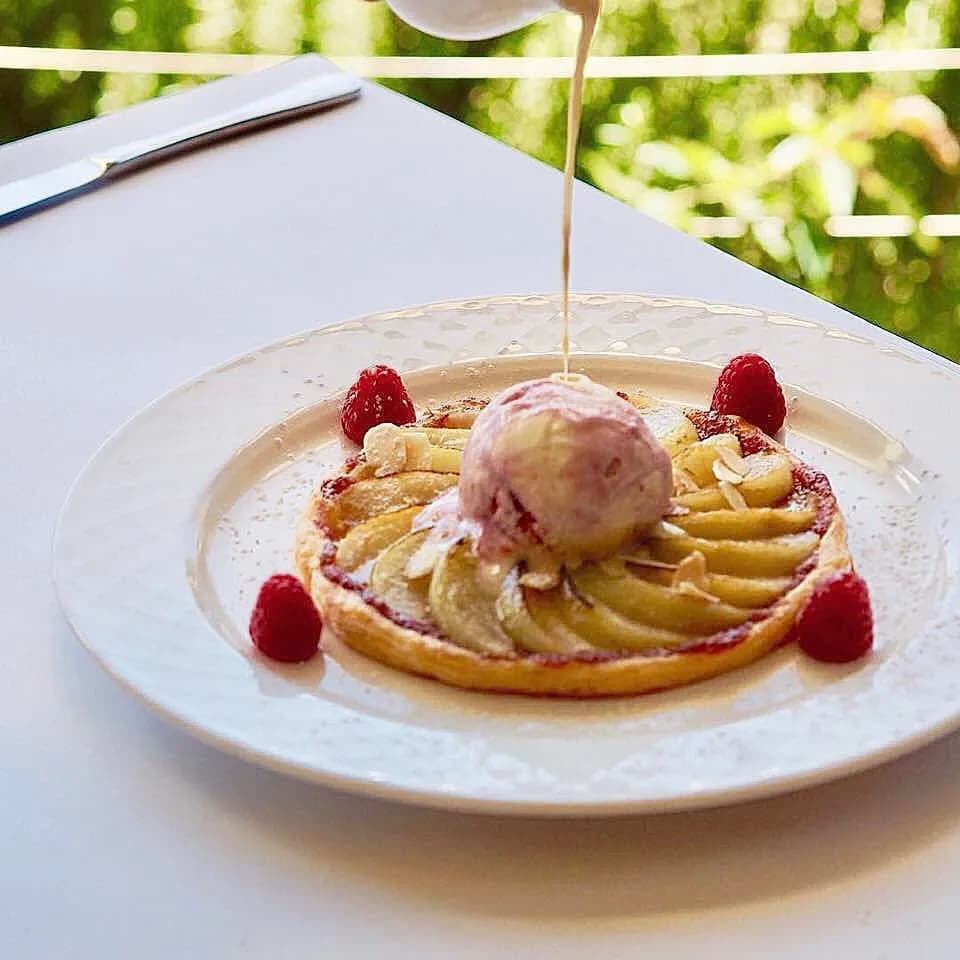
[473, 19]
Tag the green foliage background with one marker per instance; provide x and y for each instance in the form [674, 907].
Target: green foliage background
[781, 154]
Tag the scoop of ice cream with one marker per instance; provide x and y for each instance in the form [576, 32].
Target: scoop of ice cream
[562, 463]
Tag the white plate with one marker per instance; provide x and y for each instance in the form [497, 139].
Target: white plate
[170, 529]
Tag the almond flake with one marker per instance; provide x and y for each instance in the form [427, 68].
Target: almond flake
[733, 460]
[684, 482]
[424, 559]
[692, 569]
[385, 449]
[664, 529]
[724, 474]
[732, 495]
[691, 577]
[540, 579]
[542, 572]
[691, 589]
[647, 562]
[443, 511]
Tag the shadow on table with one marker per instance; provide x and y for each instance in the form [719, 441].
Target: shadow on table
[561, 871]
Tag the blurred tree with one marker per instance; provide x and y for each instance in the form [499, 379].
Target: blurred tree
[777, 156]
[38, 100]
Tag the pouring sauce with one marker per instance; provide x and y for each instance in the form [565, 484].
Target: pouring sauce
[589, 13]
[475, 19]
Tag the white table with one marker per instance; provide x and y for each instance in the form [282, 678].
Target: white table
[124, 838]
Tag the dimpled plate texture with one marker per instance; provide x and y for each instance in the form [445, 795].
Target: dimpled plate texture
[181, 514]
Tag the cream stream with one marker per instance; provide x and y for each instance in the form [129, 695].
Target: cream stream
[589, 12]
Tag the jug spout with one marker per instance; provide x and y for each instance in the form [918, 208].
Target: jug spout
[473, 19]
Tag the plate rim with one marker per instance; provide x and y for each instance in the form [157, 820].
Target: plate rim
[430, 797]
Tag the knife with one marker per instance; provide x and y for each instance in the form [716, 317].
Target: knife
[23, 197]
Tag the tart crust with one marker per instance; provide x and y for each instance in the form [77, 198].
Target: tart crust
[363, 622]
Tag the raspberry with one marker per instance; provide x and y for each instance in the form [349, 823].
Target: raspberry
[748, 387]
[285, 624]
[836, 624]
[378, 396]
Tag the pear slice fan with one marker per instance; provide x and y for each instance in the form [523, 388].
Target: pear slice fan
[717, 585]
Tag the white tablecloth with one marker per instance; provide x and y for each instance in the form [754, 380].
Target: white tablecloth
[122, 837]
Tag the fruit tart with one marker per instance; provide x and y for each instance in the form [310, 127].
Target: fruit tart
[564, 539]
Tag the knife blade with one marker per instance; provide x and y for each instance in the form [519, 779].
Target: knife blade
[31, 194]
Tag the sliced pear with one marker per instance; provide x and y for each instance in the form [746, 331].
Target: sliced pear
[459, 416]
[775, 557]
[749, 592]
[465, 614]
[703, 500]
[654, 604]
[370, 498]
[445, 459]
[670, 426]
[389, 581]
[367, 539]
[697, 460]
[769, 480]
[746, 591]
[752, 524]
[528, 632]
[606, 628]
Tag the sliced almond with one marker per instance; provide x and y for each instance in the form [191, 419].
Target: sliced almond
[424, 558]
[691, 577]
[733, 460]
[647, 562]
[542, 572]
[683, 481]
[540, 579]
[664, 529]
[724, 474]
[691, 589]
[692, 569]
[385, 449]
[443, 511]
[732, 495]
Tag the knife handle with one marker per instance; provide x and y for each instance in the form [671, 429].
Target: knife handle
[297, 100]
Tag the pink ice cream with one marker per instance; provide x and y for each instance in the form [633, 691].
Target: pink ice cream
[566, 463]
